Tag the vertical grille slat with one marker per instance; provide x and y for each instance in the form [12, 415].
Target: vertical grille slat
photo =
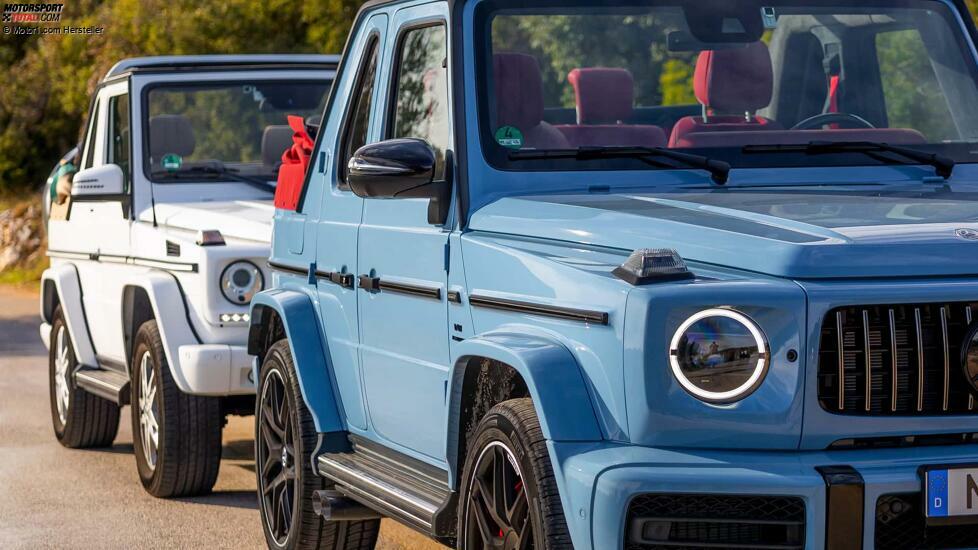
[920, 360]
[895, 360]
[868, 353]
[894, 371]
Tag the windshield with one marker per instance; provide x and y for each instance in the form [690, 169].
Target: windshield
[720, 78]
[225, 131]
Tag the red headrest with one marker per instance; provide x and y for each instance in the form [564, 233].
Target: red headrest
[735, 81]
[604, 96]
[519, 90]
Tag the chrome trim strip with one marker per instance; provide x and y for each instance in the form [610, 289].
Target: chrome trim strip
[412, 290]
[869, 363]
[169, 266]
[920, 361]
[572, 314]
[70, 255]
[893, 362]
[285, 268]
[130, 260]
[842, 360]
[947, 359]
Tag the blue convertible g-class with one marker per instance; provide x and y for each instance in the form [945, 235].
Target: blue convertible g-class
[633, 274]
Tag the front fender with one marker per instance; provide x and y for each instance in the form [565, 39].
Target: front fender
[310, 353]
[172, 318]
[60, 283]
[552, 375]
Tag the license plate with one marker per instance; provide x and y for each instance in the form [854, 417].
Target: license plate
[951, 495]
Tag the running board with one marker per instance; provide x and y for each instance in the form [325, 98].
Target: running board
[396, 485]
[107, 384]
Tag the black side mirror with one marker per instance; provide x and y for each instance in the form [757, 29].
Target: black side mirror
[396, 168]
[403, 169]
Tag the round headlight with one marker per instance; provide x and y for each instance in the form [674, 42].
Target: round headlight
[719, 356]
[241, 281]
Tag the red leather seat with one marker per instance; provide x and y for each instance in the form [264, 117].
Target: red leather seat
[519, 101]
[732, 85]
[605, 102]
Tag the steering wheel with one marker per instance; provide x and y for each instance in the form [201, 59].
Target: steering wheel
[824, 119]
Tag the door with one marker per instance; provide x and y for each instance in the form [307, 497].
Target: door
[340, 214]
[101, 228]
[403, 259]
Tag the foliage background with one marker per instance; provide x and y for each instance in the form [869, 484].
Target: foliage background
[47, 81]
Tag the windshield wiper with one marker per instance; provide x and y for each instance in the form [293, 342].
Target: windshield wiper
[216, 171]
[943, 165]
[719, 170]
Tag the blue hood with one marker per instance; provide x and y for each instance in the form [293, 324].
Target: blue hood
[798, 233]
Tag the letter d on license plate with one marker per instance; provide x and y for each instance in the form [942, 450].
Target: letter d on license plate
[951, 495]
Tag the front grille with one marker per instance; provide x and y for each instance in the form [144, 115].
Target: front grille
[900, 525]
[660, 521]
[896, 360]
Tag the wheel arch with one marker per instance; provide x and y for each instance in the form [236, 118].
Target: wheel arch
[137, 308]
[519, 365]
[60, 285]
[290, 314]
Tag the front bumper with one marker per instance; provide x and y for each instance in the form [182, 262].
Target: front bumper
[216, 370]
[598, 483]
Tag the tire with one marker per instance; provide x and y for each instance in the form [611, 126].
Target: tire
[80, 420]
[179, 452]
[509, 436]
[282, 421]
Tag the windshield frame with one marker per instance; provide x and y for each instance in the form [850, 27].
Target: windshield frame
[953, 11]
[227, 79]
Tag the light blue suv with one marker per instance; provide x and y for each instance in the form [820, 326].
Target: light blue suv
[634, 274]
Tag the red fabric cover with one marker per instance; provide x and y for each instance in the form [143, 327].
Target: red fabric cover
[895, 136]
[604, 95]
[735, 81]
[519, 100]
[695, 125]
[295, 162]
[614, 135]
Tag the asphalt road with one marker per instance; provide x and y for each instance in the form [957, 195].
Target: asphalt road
[52, 497]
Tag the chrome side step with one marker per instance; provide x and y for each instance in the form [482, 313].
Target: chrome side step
[107, 384]
[391, 483]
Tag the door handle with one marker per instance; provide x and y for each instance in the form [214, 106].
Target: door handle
[345, 280]
[368, 283]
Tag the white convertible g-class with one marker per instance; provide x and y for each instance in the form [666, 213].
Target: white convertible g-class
[158, 244]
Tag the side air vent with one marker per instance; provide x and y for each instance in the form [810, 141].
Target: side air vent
[172, 249]
[895, 360]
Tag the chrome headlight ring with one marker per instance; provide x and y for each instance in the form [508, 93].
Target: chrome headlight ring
[240, 281]
[728, 368]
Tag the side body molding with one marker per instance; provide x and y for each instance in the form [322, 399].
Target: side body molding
[63, 280]
[552, 375]
[309, 352]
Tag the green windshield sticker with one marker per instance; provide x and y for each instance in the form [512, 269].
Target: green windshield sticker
[172, 162]
[510, 137]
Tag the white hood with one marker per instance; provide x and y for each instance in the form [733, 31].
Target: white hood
[249, 220]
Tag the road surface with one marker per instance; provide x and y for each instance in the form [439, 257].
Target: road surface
[52, 497]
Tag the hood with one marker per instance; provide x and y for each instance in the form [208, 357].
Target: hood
[248, 220]
[800, 233]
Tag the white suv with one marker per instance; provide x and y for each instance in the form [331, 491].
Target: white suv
[157, 246]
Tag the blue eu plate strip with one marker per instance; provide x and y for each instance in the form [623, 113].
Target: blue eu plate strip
[937, 493]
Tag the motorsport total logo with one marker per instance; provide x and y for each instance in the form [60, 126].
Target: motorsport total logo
[32, 13]
[40, 19]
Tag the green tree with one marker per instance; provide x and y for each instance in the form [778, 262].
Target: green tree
[48, 81]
